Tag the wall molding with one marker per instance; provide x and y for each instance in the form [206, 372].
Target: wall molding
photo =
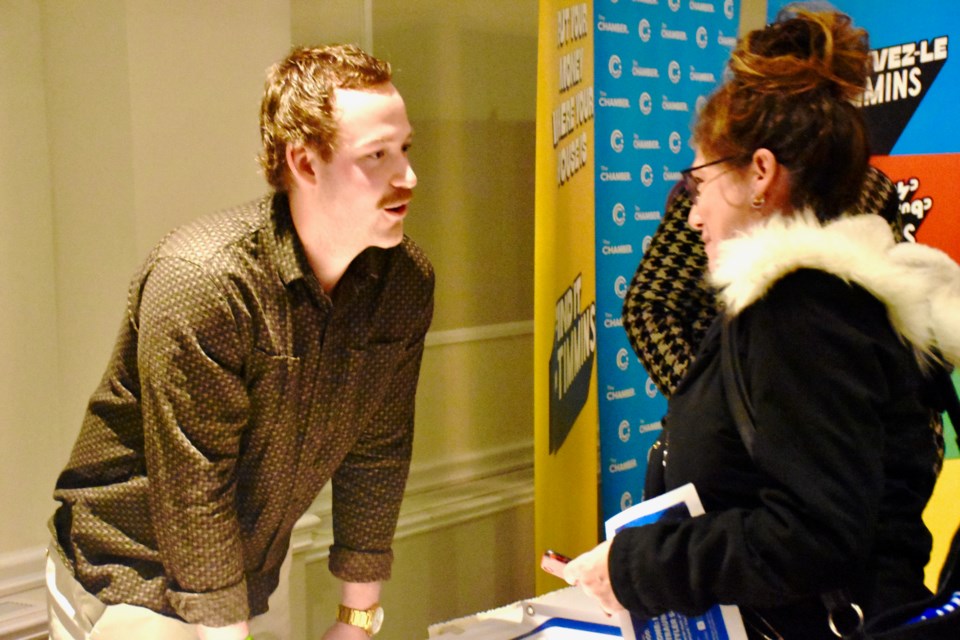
[21, 570]
[439, 495]
[470, 467]
[23, 612]
[479, 333]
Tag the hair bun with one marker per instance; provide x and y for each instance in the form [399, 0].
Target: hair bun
[804, 51]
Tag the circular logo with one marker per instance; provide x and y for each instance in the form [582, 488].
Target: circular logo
[645, 245]
[728, 9]
[616, 140]
[650, 388]
[623, 359]
[646, 175]
[626, 500]
[619, 214]
[673, 71]
[644, 30]
[624, 431]
[615, 66]
[674, 5]
[702, 37]
[675, 141]
[620, 287]
[646, 103]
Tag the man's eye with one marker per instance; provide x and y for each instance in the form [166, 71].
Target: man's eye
[376, 155]
[407, 146]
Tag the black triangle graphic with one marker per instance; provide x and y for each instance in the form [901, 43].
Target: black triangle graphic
[564, 413]
[887, 113]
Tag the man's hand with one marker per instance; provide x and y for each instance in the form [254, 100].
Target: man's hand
[343, 631]
[238, 631]
[591, 573]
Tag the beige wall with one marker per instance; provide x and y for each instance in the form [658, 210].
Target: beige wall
[29, 421]
[469, 76]
[121, 119]
[753, 14]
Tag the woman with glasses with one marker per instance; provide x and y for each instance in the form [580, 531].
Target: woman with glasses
[843, 337]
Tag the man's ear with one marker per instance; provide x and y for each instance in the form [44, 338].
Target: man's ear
[300, 164]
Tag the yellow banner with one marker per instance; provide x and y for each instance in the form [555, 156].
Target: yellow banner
[940, 516]
[565, 403]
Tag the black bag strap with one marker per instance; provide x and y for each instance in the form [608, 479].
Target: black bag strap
[733, 385]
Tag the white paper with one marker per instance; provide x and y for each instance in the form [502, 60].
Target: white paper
[721, 622]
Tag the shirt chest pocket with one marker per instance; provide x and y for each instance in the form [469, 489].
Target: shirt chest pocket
[274, 387]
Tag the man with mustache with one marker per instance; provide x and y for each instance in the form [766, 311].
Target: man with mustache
[265, 350]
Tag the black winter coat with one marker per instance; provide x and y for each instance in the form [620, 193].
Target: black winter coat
[844, 465]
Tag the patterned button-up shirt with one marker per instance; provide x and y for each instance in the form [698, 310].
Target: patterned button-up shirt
[237, 388]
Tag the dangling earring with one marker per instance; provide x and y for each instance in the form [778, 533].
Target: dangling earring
[758, 201]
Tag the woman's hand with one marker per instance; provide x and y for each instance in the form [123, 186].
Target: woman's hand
[589, 571]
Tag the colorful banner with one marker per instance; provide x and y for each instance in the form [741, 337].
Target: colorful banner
[656, 62]
[565, 327]
[911, 109]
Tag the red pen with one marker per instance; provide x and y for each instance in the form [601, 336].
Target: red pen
[553, 562]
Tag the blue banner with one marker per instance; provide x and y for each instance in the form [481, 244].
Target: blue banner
[655, 61]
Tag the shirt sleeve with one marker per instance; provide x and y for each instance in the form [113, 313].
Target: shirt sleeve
[368, 485]
[816, 384]
[195, 406]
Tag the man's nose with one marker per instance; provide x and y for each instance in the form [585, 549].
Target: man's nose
[406, 178]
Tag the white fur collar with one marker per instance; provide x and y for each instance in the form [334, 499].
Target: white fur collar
[919, 285]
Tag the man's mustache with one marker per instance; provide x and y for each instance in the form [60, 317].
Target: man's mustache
[396, 198]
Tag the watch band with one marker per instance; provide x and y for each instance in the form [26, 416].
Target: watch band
[367, 619]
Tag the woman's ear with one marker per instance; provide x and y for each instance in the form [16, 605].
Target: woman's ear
[765, 167]
[768, 181]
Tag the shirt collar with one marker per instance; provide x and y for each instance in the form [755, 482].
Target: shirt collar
[288, 253]
[291, 258]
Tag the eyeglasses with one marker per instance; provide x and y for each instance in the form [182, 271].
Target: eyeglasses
[692, 183]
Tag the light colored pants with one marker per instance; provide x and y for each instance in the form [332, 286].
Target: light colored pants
[76, 614]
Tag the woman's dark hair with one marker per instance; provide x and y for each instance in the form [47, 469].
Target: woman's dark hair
[793, 88]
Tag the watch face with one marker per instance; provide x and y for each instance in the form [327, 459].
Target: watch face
[377, 620]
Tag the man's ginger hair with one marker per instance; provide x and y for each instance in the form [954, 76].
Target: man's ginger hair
[298, 106]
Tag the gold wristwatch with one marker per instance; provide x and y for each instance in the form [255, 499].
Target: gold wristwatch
[367, 619]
